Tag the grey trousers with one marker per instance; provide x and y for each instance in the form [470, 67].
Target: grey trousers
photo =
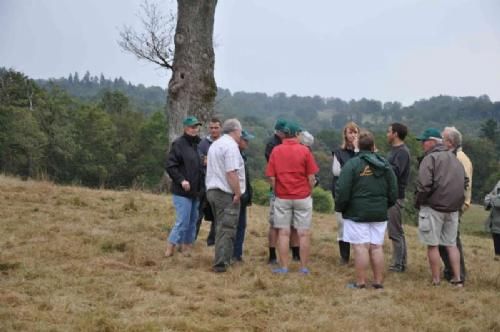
[226, 216]
[397, 235]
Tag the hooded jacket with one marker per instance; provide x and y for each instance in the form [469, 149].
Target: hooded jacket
[366, 188]
[441, 181]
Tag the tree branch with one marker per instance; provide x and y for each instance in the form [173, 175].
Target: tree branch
[156, 43]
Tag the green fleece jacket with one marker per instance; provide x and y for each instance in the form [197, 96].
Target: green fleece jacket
[366, 188]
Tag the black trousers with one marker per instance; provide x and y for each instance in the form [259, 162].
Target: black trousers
[496, 242]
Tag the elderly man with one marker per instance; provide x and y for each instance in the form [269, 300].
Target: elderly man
[440, 195]
[184, 168]
[215, 131]
[292, 170]
[225, 183]
[365, 190]
[452, 138]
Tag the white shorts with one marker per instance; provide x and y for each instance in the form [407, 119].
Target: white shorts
[364, 232]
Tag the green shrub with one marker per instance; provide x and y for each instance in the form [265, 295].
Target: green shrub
[322, 200]
[260, 192]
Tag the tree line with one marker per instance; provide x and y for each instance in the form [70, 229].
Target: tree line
[102, 132]
[105, 142]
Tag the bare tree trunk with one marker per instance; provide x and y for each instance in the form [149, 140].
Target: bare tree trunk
[192, 88]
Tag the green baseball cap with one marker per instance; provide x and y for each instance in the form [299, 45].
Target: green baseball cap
[429, 133]
[246, 135]
[280, 125]
[191, 121]
[292, 128]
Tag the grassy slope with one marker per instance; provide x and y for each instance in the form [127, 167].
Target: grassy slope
[91, 260]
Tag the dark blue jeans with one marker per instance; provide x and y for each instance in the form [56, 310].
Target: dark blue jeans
[240, 233]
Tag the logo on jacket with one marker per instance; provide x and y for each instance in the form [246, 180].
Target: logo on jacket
[367, 171]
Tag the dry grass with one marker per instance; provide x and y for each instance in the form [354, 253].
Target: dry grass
[91, 260]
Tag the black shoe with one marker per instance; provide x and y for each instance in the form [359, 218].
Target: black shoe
[210, 242]
[397, 268]
[343, 262]
[272, 261]
[219, 268]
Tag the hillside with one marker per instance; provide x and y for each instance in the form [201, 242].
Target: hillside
[92, 260]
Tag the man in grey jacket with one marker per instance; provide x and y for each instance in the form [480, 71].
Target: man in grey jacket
[440, 195]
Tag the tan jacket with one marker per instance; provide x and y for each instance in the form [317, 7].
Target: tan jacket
[462, 157]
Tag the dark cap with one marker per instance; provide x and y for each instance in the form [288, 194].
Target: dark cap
[430, 133]
[280, 125]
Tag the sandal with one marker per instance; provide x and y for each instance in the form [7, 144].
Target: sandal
[304, 271]
[354, 285]
[378, 286]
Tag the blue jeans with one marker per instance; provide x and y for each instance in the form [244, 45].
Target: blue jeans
[186, 211]
[240, 233]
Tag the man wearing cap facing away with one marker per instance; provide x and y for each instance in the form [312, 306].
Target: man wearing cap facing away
[184, 168]
[439, 196]
[292, 170]
[274, 141]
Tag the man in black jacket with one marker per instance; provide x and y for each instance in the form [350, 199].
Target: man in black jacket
[184, 168]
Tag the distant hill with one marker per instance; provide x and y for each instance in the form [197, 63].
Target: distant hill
[91, 88]
[110, 133]
[314, 113]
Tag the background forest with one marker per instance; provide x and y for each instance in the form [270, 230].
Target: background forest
[99, 132]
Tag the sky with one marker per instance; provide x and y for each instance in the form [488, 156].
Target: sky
[388, 50]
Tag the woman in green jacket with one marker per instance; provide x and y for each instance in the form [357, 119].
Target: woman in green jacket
[366, 188]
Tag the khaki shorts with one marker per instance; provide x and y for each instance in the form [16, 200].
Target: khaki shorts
[293, 212]
[271, 210]
[437, 228]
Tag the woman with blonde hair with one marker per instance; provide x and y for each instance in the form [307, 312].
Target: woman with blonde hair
[341, 155]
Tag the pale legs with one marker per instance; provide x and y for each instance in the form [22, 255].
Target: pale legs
[283, 247]
[365, 254]
[435, 262]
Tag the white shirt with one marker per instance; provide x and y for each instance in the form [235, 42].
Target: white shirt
[224, 156]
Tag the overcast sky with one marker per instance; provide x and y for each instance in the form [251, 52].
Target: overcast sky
[389, 50]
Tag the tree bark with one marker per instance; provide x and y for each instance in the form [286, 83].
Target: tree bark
[192, 88]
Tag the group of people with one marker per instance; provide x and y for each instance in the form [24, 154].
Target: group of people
[210, 179]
